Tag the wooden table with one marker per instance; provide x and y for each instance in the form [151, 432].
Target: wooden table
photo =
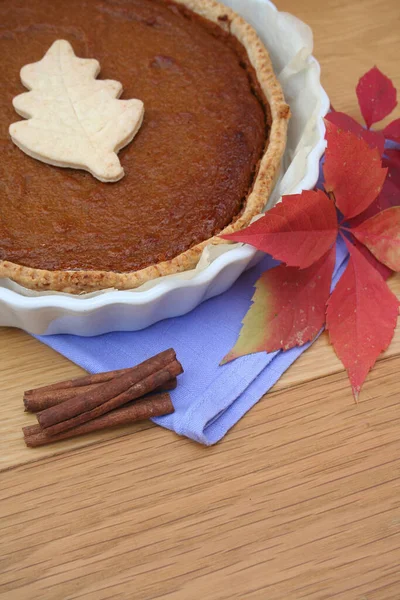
[300, 501]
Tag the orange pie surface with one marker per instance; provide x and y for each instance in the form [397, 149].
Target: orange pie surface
[188, 171]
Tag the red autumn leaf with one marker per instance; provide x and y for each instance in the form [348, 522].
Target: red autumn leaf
[383, 270]
[392, 131]
[374, 139]
[389, 196]
[352, 171]
[381, 235]
[391, 160]
[288, 308]
[343, 121]
[376, 95]
[298, 231]
[361, 318]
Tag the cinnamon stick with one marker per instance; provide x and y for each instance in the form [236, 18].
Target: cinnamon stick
[79, 381]
[139, 381]
[42, 398]
[36, 402]
[152, 406]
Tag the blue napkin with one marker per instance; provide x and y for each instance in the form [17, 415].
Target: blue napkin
[209, 399]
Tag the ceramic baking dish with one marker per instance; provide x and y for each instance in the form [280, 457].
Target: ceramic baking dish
[290, 44]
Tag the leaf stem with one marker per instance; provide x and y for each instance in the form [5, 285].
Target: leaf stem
[331, 196]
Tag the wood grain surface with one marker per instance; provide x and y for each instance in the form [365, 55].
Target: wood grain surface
[299, 501]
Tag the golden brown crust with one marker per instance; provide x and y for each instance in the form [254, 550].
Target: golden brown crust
[76, 282]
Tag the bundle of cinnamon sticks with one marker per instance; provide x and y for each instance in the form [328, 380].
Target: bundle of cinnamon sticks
[94, 402]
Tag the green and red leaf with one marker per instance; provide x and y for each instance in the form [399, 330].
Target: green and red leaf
[288, 308]
[376, 95]
[361, 318]
[381, 235]
[374, 139]
[392, 131]
[352, 171]
[298, 231]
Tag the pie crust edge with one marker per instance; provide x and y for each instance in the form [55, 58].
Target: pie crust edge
[83, 281]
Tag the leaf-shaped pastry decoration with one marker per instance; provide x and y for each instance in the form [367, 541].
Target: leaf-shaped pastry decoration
[74, 120]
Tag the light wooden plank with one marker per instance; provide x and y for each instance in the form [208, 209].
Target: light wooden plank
[300, 501]
[350, 38]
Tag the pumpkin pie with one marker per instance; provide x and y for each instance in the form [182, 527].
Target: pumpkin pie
[203, 162]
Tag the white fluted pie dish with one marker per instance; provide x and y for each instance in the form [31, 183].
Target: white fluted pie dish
[289, 42]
